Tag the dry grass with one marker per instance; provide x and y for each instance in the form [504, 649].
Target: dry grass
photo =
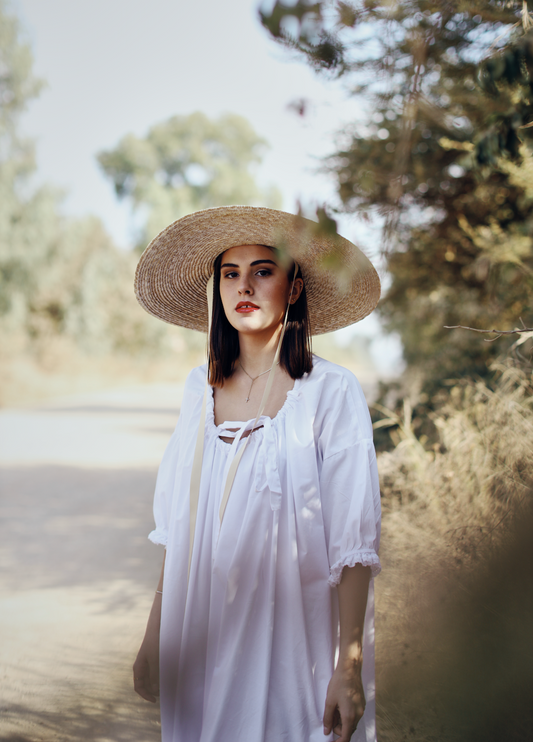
[455, 601]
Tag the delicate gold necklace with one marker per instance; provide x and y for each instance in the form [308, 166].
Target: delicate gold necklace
[254, 378]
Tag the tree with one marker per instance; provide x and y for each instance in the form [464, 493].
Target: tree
[185, 164]
[58, 276]
[18, 87]
[448, 87]
[448, 90]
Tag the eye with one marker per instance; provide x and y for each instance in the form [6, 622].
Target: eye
[264, 272]
[230, 274]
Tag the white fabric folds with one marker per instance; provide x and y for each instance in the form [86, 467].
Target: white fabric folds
[247, 648]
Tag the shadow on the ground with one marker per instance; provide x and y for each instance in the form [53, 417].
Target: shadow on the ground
[66, 526]
[84, 714]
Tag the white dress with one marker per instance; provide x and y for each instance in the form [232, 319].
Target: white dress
[247, 649]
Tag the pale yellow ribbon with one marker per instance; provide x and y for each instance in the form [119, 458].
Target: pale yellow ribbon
[196, 473]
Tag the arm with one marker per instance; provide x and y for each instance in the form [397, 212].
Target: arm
[146, 666]
[345, 699]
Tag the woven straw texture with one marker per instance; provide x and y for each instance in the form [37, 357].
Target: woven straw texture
[172, 274]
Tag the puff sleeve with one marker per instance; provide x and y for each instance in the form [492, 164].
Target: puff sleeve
[164, 488]
[349, 484]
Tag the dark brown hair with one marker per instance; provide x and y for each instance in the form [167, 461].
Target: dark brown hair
[295, 355]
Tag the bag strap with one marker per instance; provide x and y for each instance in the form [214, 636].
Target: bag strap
[238, 456]
[196, 474]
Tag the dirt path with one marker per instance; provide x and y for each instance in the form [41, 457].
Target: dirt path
[76, 484]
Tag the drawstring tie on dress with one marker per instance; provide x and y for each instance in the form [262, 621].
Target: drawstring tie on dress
[267, 471]
[199, 450]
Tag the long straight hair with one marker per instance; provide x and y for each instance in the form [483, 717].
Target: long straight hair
[295, 358]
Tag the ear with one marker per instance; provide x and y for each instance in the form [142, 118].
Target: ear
[296, 290]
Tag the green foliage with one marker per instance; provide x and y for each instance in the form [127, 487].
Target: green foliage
[508, 77]
[185, 164]
[323, 49]
[18, 230]
[58, 277]
[448, 91]
[18, 86]
[387, 37]
[81, 288]
[63, 279]
[439, 160]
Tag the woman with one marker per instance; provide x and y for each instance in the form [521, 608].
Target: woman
[267, 498]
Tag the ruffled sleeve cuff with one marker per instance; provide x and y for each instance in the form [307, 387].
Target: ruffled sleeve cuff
[159, 536]
[367, 558]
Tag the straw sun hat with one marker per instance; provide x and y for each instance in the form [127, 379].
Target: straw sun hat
[172, 274]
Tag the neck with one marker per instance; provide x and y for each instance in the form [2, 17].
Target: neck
[257, 353]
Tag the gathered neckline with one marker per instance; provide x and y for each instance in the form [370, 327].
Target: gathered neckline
[291, 397]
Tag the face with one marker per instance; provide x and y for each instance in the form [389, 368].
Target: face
[254, 289]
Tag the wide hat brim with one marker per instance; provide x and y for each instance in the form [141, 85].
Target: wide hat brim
[342, 285]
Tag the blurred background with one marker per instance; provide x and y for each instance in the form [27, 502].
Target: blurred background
[406, 127]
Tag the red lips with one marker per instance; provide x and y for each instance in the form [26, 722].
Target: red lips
[246, 306]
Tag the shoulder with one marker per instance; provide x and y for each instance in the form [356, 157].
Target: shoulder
[323, 367]
[336, 397]
[195, 382]
[331, 379]
[193, 392]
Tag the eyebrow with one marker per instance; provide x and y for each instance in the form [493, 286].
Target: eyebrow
[255, 262]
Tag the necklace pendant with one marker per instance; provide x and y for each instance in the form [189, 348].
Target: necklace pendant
[247, 399]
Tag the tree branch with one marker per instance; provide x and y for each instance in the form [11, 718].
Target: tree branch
[498, 333]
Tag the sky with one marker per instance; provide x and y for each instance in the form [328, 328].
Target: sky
[117, 66]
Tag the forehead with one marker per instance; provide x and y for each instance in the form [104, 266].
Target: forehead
[246, 254]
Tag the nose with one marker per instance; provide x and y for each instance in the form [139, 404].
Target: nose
[245, 287]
